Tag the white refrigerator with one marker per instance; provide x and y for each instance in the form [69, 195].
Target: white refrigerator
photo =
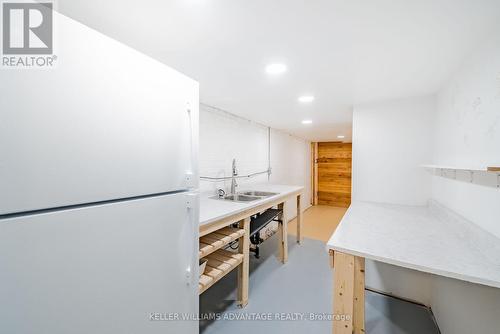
[98, 192]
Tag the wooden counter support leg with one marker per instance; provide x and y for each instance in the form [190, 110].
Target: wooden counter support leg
[283, 233]
[243, 268]
[349, 293]
[359, 295]
[343, 293]
[299, 220]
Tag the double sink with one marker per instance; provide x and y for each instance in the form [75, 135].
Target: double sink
[246, 196]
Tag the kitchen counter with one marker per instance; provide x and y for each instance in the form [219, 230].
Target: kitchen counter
[217, 215]
[212, 210]
[430, 239]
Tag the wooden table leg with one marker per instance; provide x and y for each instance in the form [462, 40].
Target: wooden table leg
[283, 233]
[299, 220]
[243, 268]
[349, 294]
[359, 295]
[343, 293]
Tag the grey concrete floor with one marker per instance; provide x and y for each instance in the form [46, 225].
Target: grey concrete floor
[301, 287]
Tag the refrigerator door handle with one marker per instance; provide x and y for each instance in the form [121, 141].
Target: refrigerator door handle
[192, 243]
[190, 178]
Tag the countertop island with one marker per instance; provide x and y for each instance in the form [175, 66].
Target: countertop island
[430, 239]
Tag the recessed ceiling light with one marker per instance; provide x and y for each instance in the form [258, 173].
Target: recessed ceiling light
[277, 68]
[307, 121]
[306, 98]
[340, 136]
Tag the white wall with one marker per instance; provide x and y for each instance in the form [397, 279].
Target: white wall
[467, 133]
[390, 141]
[224, 136]
[290, 163]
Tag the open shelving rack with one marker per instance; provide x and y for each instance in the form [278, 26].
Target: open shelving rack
[220, 261]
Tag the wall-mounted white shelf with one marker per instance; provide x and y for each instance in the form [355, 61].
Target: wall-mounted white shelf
[489, 176]
[495, 170]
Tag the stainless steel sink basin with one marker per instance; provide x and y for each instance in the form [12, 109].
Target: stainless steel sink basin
[258, 193]
[238, 198]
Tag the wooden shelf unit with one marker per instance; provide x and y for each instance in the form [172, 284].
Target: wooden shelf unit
[220, 263]
[218, 239]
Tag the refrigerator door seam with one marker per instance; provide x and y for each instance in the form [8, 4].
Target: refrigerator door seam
[85, 205]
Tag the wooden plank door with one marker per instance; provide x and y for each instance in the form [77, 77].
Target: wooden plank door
[334, 163]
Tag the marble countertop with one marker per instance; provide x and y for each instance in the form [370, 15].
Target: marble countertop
[214, 209]
[430, 239]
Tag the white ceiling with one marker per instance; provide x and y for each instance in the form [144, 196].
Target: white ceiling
[342, 52]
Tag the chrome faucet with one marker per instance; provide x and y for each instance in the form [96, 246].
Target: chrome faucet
[233, 178]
